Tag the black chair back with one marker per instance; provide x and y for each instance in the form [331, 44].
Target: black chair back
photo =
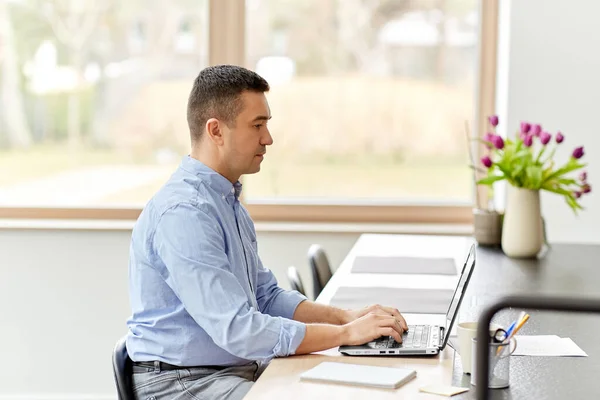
[320, 268]
[122, 370]
[295, 280]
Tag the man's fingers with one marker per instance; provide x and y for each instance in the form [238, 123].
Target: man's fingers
[391, 332]
[393, 323]
[397, 315]
[402, 321]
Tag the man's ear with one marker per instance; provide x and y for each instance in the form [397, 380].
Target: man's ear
[214, 130]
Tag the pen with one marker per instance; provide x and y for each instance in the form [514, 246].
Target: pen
[519, 325]
[510, 329]
[514, 328]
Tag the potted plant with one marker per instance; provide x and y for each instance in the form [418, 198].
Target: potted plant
[527, 163]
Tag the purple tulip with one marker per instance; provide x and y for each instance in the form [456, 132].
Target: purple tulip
[578, 152]
[536, 130]
[488, 137]
[577, 194]
[525, 127]
[545, 138]
[493, 120]
[523, 135]
[487, 161]
[528, 141]
[583, 176]
[498, 142]
[559, 137]
[586, 188]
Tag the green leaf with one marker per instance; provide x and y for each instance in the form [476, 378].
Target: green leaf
[541, 153]
[565, 181]
[534, 176]
[556, 189]
[550, 156]
[523, 153]
[490, 179]
[571, 166]
[572, 202]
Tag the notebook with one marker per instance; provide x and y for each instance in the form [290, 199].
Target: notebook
[360, 375]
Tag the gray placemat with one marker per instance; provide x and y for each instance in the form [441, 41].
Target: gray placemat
[403, 265]
[421, 301]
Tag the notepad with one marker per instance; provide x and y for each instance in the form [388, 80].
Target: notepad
[359, 375]
[547, 346]
[443, 390]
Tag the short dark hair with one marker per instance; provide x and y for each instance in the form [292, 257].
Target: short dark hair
[216, 94]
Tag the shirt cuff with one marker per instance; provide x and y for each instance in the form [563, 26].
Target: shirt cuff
[285, 304]
[290, 336]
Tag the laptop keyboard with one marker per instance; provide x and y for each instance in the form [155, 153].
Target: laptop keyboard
[416, 337]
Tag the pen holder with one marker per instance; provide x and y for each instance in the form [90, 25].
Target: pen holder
[499, 355]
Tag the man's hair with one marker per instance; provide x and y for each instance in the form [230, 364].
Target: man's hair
[216, 94]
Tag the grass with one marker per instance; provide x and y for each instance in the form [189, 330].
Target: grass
[19, 166]
[335, 137]
[278, 178]
[447, 182]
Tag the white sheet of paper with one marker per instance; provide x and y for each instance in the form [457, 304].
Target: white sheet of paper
[547, 346]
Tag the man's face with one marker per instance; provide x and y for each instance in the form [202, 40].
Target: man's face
[245, 143]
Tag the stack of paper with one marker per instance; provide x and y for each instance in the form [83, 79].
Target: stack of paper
[547, 345]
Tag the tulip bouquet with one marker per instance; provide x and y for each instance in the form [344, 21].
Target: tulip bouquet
[527, 162]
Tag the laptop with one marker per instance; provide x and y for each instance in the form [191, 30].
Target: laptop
[420, 339]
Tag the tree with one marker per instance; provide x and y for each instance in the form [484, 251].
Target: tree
[73, 23]
[13, 111]
[359, 24]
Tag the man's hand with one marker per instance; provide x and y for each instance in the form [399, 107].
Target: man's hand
[353, 315]
[371, 326]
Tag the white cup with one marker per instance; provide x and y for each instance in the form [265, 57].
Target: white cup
[466, 331]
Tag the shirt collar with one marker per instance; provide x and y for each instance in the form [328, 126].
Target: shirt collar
[215, 180]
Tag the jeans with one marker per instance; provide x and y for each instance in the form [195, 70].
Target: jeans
[196, 383]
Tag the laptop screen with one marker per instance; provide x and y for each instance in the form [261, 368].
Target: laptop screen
[461, 288]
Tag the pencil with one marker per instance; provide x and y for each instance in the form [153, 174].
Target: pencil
[519, 325]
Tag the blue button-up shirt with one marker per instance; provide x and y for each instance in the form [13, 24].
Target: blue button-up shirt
[198, 290]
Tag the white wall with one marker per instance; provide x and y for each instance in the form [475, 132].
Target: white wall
[552, 66]
[63, 304]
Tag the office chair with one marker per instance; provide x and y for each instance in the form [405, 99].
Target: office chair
[295, 280]
[320, 268]
[122, 370]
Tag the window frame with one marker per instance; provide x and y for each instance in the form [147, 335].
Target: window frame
[227, 46]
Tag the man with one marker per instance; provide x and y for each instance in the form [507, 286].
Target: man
[207, 316]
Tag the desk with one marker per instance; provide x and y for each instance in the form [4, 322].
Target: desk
[565, 269]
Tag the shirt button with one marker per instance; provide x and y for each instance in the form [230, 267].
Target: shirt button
[232, 190]
[223, 196]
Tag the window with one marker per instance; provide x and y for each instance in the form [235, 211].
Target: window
[94, 98]
[369, 99]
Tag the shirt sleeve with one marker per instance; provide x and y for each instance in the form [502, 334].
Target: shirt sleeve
[191, 246]
[272, 299]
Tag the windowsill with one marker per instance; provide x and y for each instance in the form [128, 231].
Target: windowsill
[310, 227]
